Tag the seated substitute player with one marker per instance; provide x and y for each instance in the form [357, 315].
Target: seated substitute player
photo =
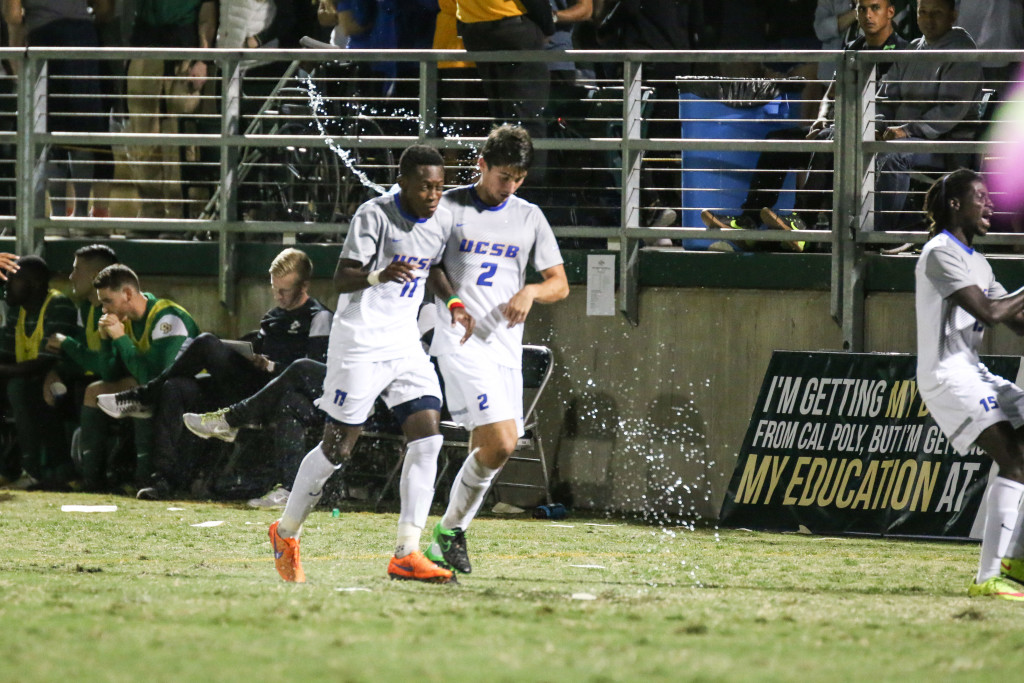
[496, 234]
[957, 297]
[82, 363]
[34, 312]
[143, 335]
[374, 350]
[297, 327]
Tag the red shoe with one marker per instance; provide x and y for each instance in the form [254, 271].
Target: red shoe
[416, 567]
[286, 556]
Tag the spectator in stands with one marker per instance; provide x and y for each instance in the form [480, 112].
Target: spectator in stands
[297, 327]
[327, 17]
[659, 25]
[371, 25]
[568, 14]
[82, 364]
[73, 102]
[924, 101]
[517, 92]
[456, 87]
[35, 312]
[835, 24]
[143, 335]
[994, 25]
[791, 27]
[152, 109]
[875, 20]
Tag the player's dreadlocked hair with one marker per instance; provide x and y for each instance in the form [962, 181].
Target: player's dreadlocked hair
[947, 188]
[418, 155]
[508, 145]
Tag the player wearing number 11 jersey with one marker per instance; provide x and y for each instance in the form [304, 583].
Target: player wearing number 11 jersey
[495, 236]
[374, 350]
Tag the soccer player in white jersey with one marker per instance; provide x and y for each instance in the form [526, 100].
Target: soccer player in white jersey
[374, 350]
[957, 297]
[496, 235]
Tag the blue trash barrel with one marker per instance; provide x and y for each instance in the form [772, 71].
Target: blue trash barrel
[719, 180]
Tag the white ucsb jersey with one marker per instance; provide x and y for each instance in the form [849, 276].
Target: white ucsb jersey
[379, 323]
[486, 260]
[948, 337]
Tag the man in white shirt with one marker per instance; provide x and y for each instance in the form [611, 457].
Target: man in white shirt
[495, 236]
[957, 297]
[374, 350]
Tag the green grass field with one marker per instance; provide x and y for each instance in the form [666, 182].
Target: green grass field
[140, 595]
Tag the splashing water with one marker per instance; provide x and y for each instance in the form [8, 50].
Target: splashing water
[316, 105]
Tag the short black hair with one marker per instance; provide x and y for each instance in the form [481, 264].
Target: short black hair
[98, 253]
[34, 270]
[508, 145]
[953, 185]
[950, 5]
[115, 277]
[415, 156]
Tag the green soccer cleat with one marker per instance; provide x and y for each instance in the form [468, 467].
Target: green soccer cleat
[1012, 568]
[448, 549]
[996, 587]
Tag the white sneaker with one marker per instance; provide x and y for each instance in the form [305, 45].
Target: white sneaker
[22, 483]
[212, 424]
[277, 498]
[123, 404]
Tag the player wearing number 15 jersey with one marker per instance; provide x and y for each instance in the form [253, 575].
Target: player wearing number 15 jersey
[957, 298]
[374, 350]
[496, 235]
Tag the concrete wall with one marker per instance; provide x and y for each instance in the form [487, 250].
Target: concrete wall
[647, 419]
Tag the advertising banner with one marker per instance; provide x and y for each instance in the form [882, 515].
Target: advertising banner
[842, 443]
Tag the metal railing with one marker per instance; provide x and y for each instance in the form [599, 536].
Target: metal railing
[281, 151]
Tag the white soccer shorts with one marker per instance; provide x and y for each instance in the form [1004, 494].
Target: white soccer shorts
[967, 404]
[480, 391]
[350, 389]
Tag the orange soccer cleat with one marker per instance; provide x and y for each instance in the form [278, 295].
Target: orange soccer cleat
[286, 556]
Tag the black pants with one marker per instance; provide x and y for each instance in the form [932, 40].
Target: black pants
[285, 405]
[176, 391]
[516, 91]
[771, 171]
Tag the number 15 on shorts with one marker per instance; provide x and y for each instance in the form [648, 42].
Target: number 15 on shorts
[989, 403]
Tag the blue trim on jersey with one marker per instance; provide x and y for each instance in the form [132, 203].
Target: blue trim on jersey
[963, 246]
[408, 217]
[480, 205]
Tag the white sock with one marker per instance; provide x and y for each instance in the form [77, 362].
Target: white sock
[314, 471]
[468, 491]
[1000, 521]
[417, 491]
[1015, 549]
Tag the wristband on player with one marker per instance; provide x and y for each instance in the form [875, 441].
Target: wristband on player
[454, 302]
[374, 277]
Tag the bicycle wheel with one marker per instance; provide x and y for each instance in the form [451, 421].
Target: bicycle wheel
[296, 182]
[367, 170]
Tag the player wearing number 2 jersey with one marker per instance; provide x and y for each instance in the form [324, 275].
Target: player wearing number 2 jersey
[495, 236]
[957, 297]
[374, 350]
